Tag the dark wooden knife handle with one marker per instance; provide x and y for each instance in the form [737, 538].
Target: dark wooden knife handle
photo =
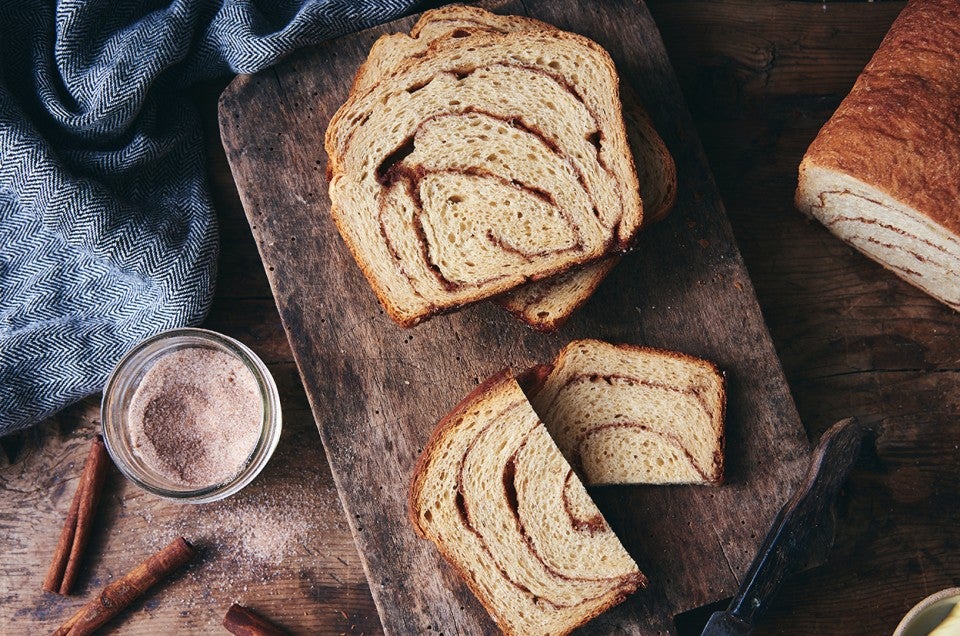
[785, 545]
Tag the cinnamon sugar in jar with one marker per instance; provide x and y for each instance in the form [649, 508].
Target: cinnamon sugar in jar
[191, 415]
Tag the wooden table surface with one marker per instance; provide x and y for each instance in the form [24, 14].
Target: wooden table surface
[760, 78]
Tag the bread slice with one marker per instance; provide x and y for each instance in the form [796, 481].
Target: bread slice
[390, 51]
[489, 160]
[884, 173]
[495, 495]
[543, 305]
[624, 414]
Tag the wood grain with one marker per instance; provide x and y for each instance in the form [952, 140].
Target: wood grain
[377, 390]
[853, 340]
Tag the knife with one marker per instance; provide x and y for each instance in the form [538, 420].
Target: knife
[785, 546]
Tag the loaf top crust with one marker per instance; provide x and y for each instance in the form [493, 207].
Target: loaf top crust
[390, 50]
[899, 128]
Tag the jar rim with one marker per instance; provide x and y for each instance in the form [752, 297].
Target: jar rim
[940, 602]
[139, 358]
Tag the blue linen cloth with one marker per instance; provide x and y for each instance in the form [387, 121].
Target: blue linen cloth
[107, 232]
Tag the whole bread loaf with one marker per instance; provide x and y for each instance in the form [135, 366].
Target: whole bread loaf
[495, 495]
[487, 161]
[546, 304]
[884, 173]
[625, 414]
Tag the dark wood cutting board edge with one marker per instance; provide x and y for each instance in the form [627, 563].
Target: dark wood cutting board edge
[376, 390]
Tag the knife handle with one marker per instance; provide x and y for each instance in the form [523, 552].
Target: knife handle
[785, 545]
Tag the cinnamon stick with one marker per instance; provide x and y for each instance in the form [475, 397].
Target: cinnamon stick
[115, 597]
[243, 621]
[79, 522]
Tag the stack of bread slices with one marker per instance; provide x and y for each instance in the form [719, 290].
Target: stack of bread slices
[486, 157]
[499, 488]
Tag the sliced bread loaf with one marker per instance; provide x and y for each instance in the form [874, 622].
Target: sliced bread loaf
[489, 160]
[546, 304]
[627, 414]
[884, 173]
[495, 495]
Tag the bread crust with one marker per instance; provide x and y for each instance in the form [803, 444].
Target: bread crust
[526, 312]
[899, 128]
[465, 12]
[531, 380]
[463, 16]
[490, 385]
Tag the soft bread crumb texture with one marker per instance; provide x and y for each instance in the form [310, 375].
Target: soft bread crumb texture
[623, 414]
[526, 131]
[902, 239]
[505, 509]
[883, 174]
[545, 304]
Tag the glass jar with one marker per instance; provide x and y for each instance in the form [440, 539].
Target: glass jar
[122, 385]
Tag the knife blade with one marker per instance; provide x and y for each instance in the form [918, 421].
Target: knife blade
[796, 524]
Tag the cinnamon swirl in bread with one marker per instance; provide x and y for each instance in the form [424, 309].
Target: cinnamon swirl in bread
[494, 493]
[389, 51]
[546, 304]
[628, 414]
[884, 173]
[484, 162]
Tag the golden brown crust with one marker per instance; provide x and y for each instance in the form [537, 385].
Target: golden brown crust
[482, 18]
[461, 15]
[525, 311]
[531, 380]
[898, 129]
[421, 471]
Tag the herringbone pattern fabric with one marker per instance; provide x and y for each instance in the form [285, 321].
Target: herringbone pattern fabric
[107, 234]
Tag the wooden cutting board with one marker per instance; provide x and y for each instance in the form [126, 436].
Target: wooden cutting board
[377, 390]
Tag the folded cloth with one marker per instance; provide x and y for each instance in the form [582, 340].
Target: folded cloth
[107, 232]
